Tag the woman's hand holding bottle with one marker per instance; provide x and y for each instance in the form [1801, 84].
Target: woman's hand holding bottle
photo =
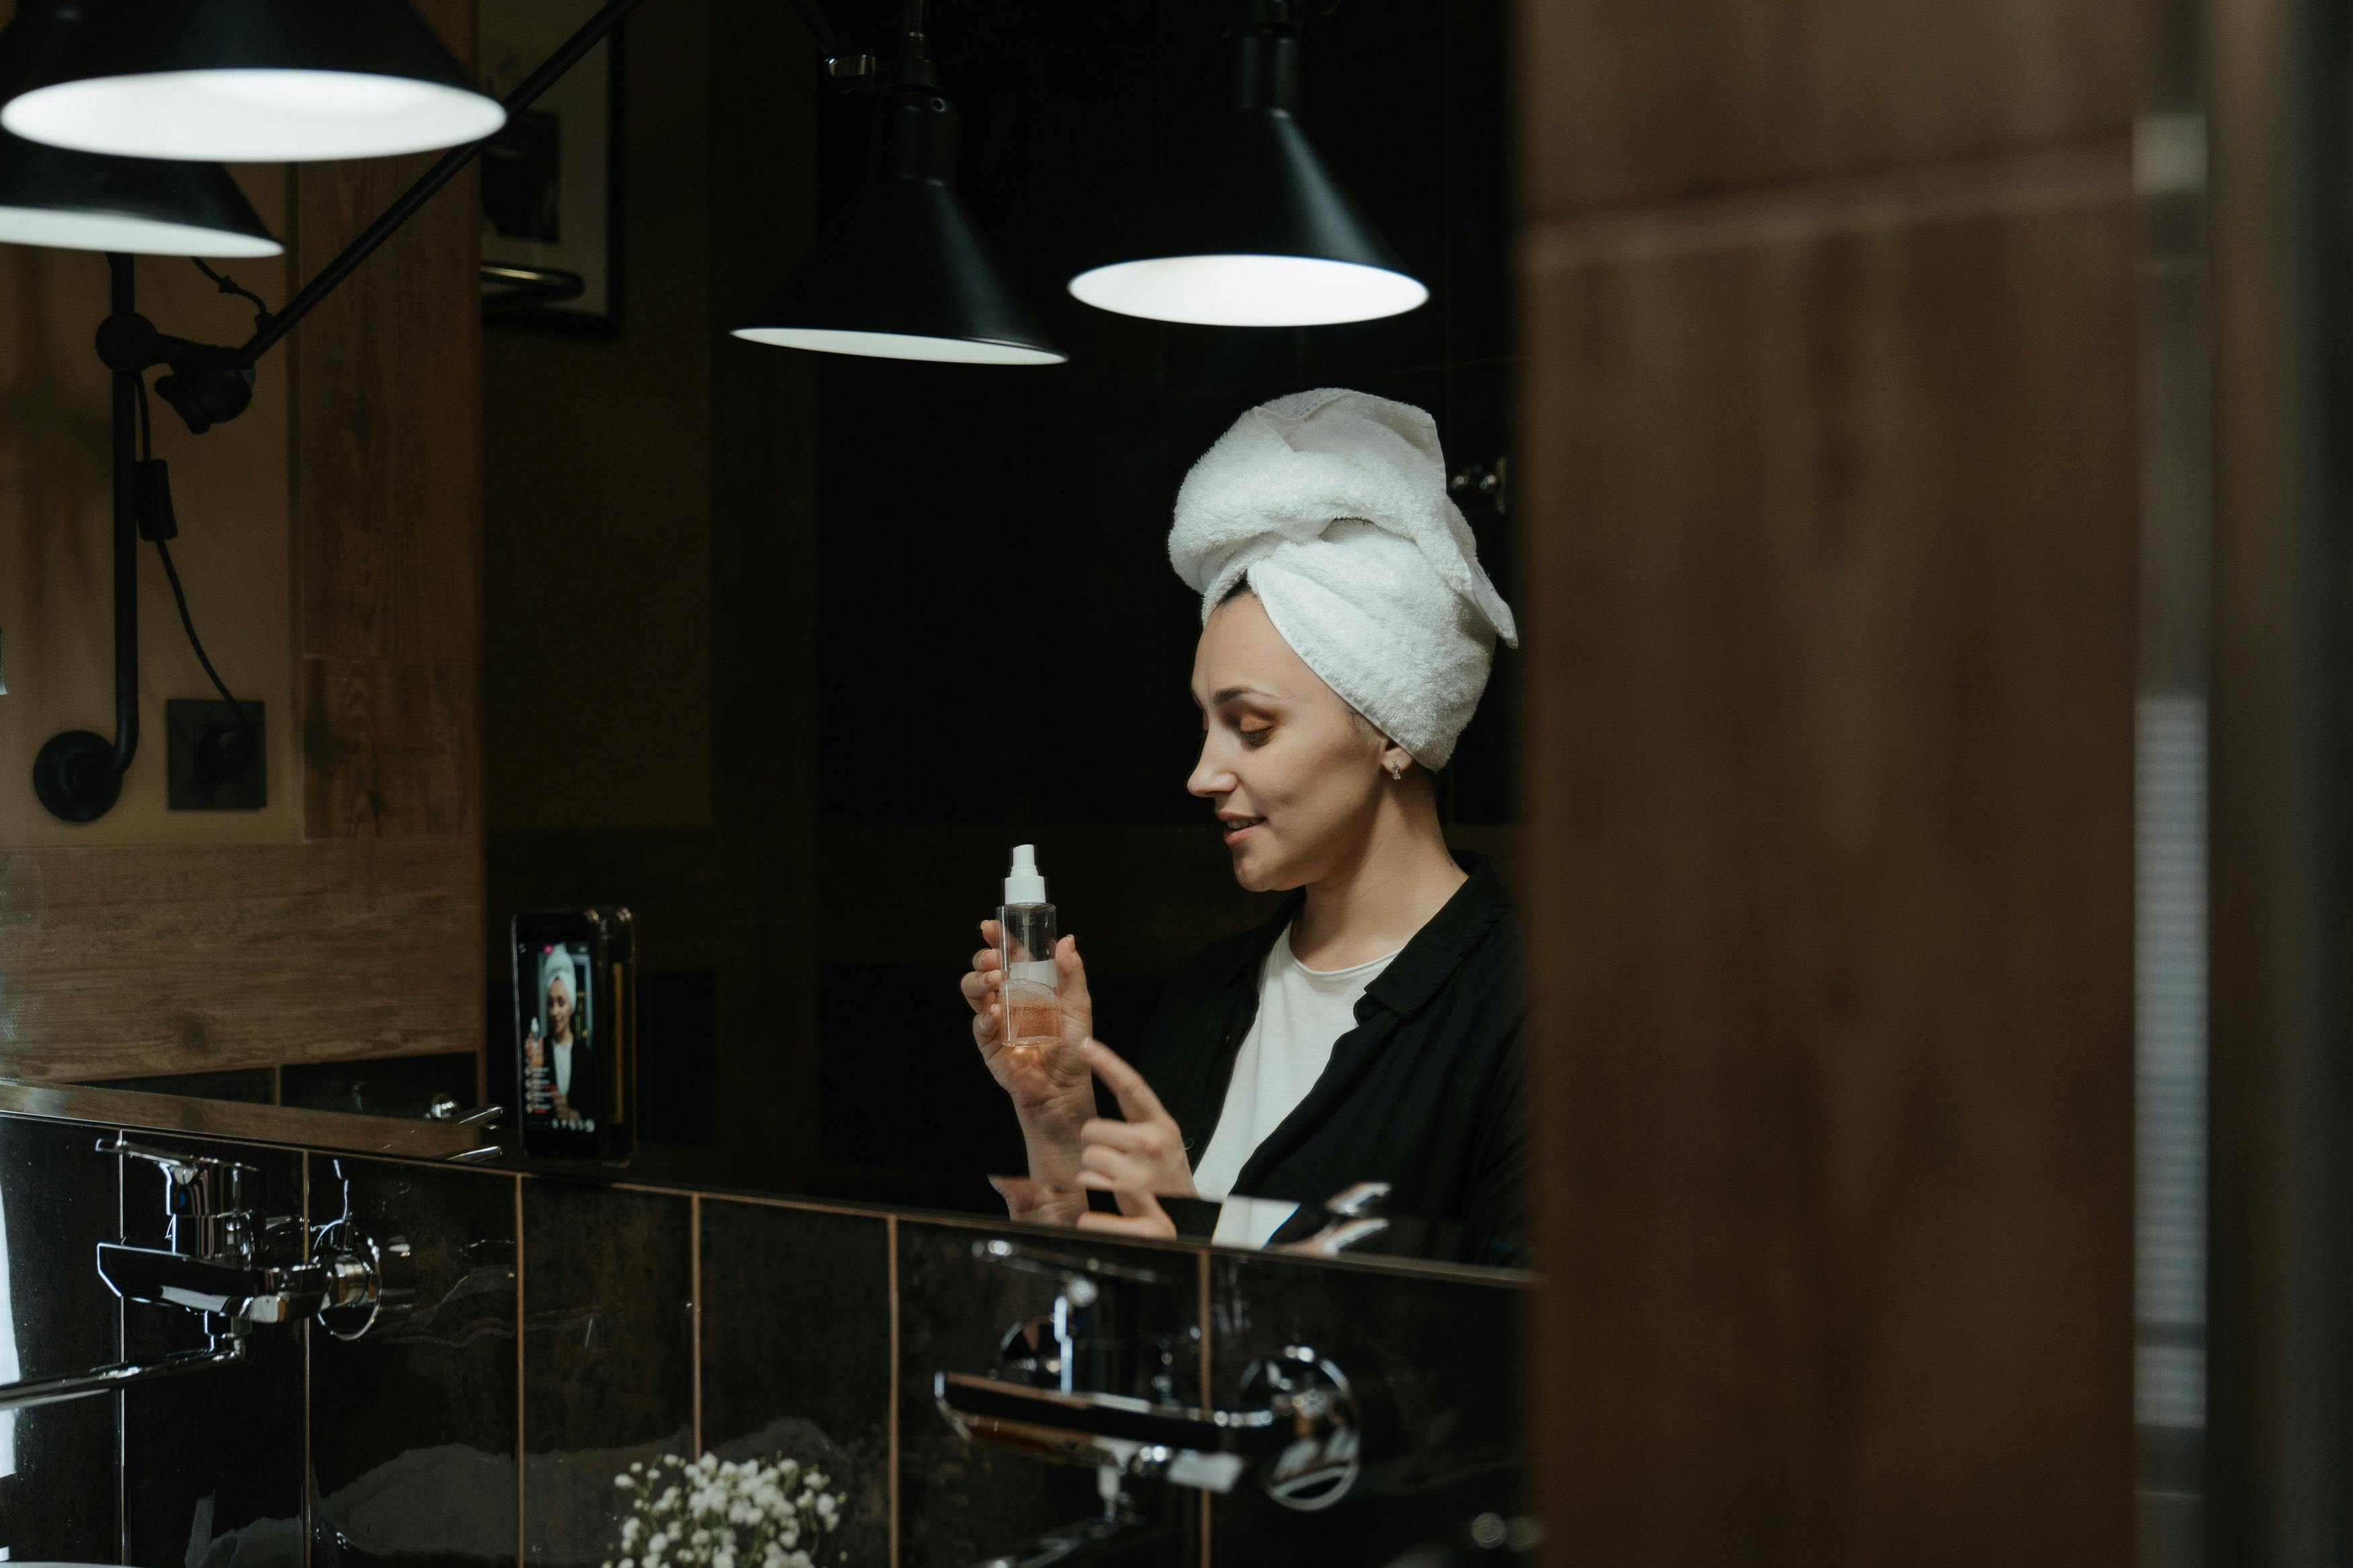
[1035, 1077]
[1051, 1087]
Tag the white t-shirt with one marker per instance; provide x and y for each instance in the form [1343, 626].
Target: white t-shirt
[564, 1068]
[1302, 1012]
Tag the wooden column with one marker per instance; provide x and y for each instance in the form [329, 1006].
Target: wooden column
[361, 937]
[388, 545]
[1828, 518]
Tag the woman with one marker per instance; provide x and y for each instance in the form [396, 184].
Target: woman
[567, 1046]
[1370, 1030]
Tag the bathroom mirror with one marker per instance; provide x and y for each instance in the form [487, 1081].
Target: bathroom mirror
[783, 652]
[787, 651]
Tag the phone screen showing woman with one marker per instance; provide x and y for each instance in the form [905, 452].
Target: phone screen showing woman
[560, 1033]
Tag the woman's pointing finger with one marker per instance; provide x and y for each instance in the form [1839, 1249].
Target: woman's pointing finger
[1137, 1101]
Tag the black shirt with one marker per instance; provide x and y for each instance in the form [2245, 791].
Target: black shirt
[1424, 1093]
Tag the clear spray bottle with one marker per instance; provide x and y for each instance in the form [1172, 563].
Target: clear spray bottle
[1033, 1014]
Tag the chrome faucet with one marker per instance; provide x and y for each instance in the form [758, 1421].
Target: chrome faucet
[1297, 1429]
[217, 1260]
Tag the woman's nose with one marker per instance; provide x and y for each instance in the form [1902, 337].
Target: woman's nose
[1209, 776]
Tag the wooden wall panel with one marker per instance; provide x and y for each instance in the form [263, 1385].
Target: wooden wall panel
[1645, 103]
[1827, 510]
[1836, 613]
[387, 506]
[184, 960]
[391, 748]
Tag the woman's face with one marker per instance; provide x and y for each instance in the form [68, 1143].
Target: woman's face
[1294, 773]
[559, 1009]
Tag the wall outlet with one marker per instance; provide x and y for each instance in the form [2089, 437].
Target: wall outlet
[214, 764]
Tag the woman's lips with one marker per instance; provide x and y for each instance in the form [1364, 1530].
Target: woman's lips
[1235, 830]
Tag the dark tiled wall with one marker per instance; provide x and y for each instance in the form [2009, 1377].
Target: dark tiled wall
[967, 500]
[564, 1330]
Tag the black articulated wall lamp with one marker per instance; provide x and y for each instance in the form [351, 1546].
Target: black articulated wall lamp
[905, 273]
[123, 110]
[1255, 230]
[259, 81]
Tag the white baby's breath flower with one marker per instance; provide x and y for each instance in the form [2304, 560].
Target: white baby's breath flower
[771, 1512]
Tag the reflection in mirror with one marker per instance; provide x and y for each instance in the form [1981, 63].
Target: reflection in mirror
[1353, 1222]
[469, 1137]
[858, 629]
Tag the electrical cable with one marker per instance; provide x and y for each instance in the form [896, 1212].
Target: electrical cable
[179, 594]
[228, 285]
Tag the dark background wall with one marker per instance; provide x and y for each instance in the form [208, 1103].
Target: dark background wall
[942, 619]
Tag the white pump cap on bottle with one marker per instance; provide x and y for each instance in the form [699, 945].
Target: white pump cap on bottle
[1024, 885]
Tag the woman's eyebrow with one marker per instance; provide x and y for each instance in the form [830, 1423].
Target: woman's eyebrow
[1231, 692]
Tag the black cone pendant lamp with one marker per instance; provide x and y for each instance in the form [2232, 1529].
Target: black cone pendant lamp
[145, 207]
[905, 273]
[259, 81]
[1255, 231]
[81, 201]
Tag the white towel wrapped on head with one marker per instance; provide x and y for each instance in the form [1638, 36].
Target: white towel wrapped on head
[1334, 505]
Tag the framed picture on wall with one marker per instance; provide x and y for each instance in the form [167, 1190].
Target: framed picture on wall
[552, 178]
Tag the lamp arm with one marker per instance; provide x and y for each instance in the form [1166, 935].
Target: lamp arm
[446, 168]
[126, 532]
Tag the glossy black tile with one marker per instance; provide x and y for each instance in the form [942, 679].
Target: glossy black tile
[386, 1085]
[608, 1355]
[1435, 1366]
[959, 1502]
[795, 1309]
[413, 1458]
[253, 1086]
[1233, 359]
[212, 1462]
[1373, 99]
[1482, 782]
[886, 1090]
[57, 1463]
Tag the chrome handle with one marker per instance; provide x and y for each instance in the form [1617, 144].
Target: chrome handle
[182, 1171]
[444, 1109]
[201, 1219]
[1356, 1201]
[1298, 1425]
[1351, 1220]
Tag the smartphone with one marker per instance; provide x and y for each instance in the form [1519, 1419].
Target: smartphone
[575, 1033]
